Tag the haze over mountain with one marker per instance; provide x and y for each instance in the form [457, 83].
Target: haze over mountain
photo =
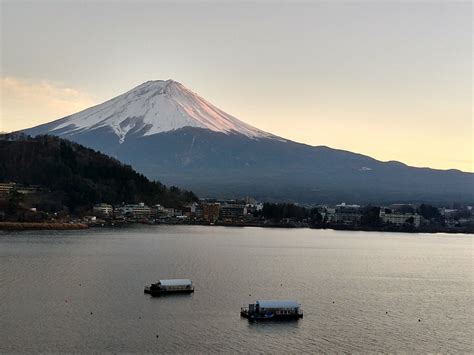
[170, 133]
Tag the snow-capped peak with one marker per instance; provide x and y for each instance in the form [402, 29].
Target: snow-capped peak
[154, 107]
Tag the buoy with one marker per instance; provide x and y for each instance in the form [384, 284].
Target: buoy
[157, 336]
[386, 312]
[419, 320]
[250, 295]
[91, 313]
[333, 302]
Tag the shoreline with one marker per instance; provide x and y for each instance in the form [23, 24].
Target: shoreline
[28, 226]
[354, 229]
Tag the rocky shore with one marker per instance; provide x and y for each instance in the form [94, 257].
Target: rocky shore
[21, 226]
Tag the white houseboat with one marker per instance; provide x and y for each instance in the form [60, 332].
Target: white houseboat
[163, 287]
[272, 309]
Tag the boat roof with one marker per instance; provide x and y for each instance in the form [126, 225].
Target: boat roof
[278, 303]
[175, 282]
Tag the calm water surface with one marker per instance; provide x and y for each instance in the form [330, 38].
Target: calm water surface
[82, 291]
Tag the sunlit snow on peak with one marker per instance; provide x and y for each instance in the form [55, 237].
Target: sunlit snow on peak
[155, 107]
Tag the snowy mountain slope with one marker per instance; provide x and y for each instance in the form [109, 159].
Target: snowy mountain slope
[150, 108]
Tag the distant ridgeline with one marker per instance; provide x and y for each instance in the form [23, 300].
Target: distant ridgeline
[78, 177]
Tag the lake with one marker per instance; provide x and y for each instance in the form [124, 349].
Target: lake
[82, 291]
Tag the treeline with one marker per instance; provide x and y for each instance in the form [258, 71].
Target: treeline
[278, 211]
[79, 177]
[369, 215]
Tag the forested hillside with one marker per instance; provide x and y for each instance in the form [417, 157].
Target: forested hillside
[79, 177]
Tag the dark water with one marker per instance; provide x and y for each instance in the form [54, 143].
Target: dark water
[50, 282]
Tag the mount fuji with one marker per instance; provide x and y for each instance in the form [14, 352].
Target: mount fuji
[170, 133]
[151, 108]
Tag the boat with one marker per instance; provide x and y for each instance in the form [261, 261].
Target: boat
[272, 310]
[164, 287]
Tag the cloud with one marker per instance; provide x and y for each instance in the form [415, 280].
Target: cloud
[27, 103]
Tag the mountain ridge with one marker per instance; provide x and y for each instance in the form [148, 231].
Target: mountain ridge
[225, 157]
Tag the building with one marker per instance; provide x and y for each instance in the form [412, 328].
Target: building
[210, 211]
[233, 211]
[172, 212]
[6, 187]
[447, 212]
[400, 219]
[103, 209]
[192, 207]
[346, 214]
[254, 207]
[199, 213]
[135, 211]
[190, 210]
[158, 211]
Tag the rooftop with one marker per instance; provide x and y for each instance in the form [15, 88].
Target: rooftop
[176, 282]
[278, 303]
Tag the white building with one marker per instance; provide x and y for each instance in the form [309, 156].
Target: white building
[344, 205]
[400, 219]
[346, 214]
[135, 211]
[171, 212]
[192, 207]
[103, 209]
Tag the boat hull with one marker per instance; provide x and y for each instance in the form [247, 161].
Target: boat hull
[270, 317]
[157, 293]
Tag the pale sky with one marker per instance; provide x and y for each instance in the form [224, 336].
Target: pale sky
[392, 80]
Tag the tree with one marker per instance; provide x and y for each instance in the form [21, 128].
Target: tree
[77, 177]
[13, 202]
[279, 211]
[370, 216]
[315, 218]
[429, 212]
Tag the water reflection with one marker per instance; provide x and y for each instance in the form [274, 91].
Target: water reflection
[345, 282]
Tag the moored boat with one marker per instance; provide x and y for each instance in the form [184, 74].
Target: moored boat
[163, 287]
[272, 310]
